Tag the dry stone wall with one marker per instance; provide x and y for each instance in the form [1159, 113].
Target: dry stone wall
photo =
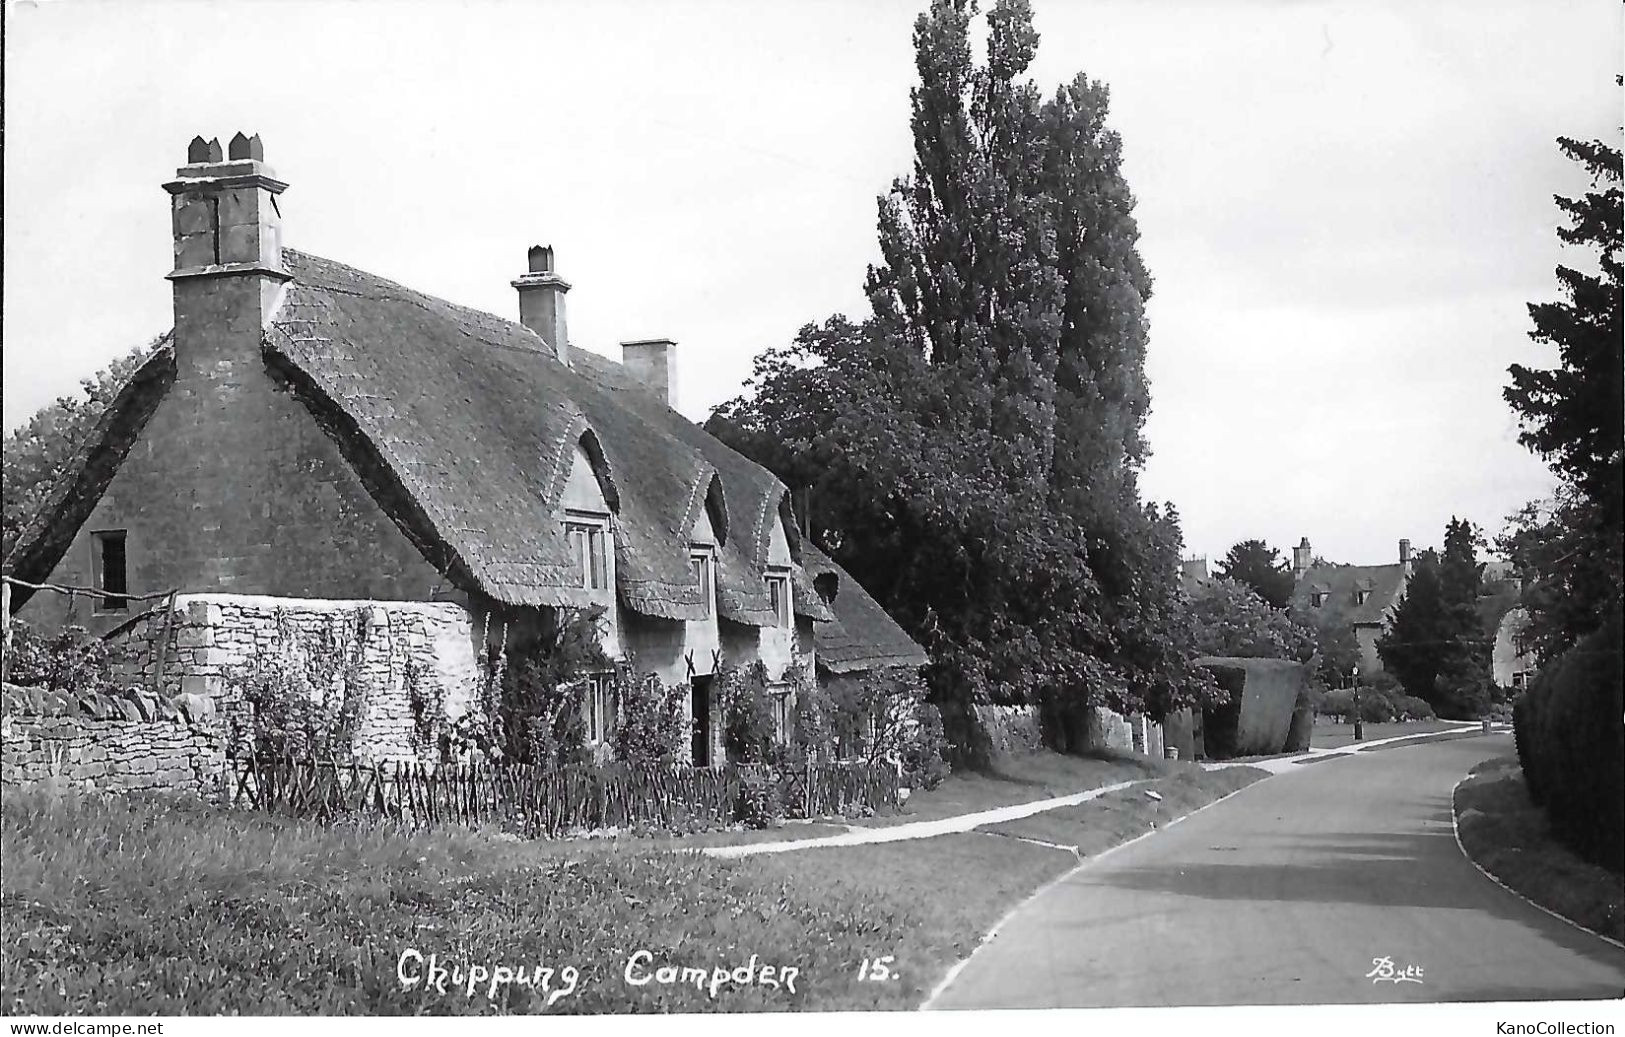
[1014, 729]
[404, 664]
[134, 742]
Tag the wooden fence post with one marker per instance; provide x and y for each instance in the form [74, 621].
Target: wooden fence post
[5, 624]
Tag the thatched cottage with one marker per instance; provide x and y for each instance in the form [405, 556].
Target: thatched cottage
[311, 432]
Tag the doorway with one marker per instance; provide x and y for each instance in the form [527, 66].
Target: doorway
[700, 717]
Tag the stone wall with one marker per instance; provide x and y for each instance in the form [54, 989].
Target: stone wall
[1018, 729]
[406, 665]
[1011, 729]
[127, 743]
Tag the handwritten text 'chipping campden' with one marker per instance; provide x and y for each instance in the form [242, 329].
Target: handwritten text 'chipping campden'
[638, 973]
[414, 971]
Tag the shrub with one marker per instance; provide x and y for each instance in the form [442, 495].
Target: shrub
[653, 724]
[760, 803]
[749, 730]
[1409, 707]
[1571, 740]
[304, 689]
[71, 659]
[924, 754]
[1376, 706]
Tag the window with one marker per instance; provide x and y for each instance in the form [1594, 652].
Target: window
[783, 713]
[109, 572]
[597, 707]
[1520, 680]
[1360, 596]
[587, 553]
[700, 561]
[1317, 599]
[778, 594]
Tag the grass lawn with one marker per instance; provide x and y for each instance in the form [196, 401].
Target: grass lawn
[1023, 777]
[1337, 735]
[1508, 836]
[125, 906]
[1120, 816]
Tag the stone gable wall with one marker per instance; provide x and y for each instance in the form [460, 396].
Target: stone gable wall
[137, 742]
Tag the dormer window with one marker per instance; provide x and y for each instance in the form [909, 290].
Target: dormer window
[587, 538]
[1360, 596]
[699, 560]
[778, 594]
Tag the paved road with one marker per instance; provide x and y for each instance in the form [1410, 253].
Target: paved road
[1285, 894]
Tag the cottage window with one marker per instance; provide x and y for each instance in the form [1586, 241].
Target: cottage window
[783, 714]
[778, 593]
[1317, 599]
[597, 708]
[700, 562]
[109, 570]
[587, 553]
[1361, 596]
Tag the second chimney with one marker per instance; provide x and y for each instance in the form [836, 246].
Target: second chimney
[1302, 557]
[541, 301]
[1405, 554]
[653, 361]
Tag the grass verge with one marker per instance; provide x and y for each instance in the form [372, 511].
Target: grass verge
[1117, 817]
[1509, 837]
[135, 907]
[1337, 735]
[1024, 777]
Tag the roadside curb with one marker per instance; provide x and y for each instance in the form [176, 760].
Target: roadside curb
[1455, 830]
[987, 938]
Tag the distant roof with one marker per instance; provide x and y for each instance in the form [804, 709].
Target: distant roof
[863, 636]
[1382, 584]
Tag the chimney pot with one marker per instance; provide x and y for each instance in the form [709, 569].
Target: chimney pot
[238, 148]
[541, 301]
[197, 151]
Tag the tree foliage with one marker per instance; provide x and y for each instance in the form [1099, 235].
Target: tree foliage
[1230, 618]
[39, 451]
[1436, 644]
[1573, 415]
[1260, 567]
[970, 449]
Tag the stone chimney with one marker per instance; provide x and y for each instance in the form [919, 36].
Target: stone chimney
[228, 254]
[1405, 555]
[541, 301]
[1301, 558]
[653, 361]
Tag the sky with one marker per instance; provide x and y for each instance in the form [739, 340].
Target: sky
[1346, 207]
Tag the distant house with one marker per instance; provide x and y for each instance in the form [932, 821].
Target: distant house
[1357, 596]
[1506, 624]
[313, 431]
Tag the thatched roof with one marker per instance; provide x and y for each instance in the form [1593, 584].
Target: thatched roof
[861, 636]
[463, 427]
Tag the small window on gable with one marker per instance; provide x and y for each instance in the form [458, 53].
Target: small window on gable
[778, 594]
[1317, 599]
[109, 565]
[700, 562]
[588, 540]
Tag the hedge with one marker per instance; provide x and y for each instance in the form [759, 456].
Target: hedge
[1570, 737]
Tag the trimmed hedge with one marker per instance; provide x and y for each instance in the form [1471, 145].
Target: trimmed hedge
[1571, 742]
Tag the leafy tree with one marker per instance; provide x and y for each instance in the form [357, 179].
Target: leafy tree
[1436, 644]
[1260, 567]
[970, 448]
[1409, 648]
[38, 452]
[1231, 619]
[1572, 416]
[1337, 649]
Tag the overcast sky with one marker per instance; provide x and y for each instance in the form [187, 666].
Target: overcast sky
[1345, 207]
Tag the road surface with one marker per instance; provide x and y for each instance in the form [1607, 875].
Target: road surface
[1286, 894]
